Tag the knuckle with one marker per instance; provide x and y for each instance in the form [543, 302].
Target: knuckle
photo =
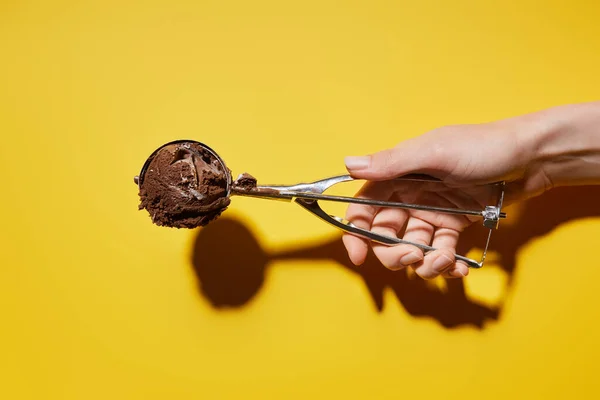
[386, 159]
[359, 213]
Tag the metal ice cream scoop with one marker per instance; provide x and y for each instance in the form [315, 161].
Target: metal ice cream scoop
[308, 195]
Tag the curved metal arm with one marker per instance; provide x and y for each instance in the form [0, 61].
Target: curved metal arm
[347, 226]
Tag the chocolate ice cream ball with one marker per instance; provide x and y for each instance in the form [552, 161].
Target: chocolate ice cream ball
[184, 185]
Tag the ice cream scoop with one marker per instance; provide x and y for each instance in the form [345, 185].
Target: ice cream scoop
[185, 184]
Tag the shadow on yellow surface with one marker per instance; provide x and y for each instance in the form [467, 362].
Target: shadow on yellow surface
[230, 264]
[536, 218]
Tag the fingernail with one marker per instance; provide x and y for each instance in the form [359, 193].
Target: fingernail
[357, 163]
[442, 262]
[457, 273]
[461, 270]
[411, 258]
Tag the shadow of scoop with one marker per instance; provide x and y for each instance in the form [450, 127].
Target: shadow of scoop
[230, 266]
[229, 263]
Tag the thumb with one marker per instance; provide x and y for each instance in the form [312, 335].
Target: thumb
[406, 158]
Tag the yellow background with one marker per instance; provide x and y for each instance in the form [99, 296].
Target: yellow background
[98, 303]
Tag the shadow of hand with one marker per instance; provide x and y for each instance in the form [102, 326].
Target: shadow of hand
[230, 264]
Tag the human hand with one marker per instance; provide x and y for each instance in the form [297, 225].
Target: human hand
[527, 152]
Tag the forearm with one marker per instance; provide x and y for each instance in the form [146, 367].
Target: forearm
[565, 143]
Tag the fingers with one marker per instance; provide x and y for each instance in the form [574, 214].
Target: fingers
[389, 222]
[403, 255]
[442, 261]
[356, 247]
[459, 270]
[362, 216]
[447, 239]
[412, 156]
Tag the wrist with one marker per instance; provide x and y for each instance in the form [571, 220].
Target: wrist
[563, 144]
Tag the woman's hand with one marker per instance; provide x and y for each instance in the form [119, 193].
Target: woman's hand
[531, 153]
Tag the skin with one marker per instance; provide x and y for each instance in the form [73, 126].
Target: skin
[532, 153]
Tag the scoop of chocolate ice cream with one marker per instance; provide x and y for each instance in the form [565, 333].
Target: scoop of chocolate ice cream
[184, 186]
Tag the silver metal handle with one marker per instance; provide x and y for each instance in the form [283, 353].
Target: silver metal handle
[314, 191]
[347, 226]
[308, 194]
